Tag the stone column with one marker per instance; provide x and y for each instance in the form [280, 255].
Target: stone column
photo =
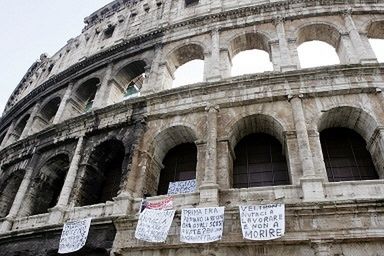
[57, 213]
[286, 61]
[311, 184]
[102, 95]
[20, 195]
[212, 60]
[63, 104]
[28, 130]
[225, 63]
[6, 137]
[160, 76]
[209, 190]
[346, 50]
[361, 52]
[321, 248]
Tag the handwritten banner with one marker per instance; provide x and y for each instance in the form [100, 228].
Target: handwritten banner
[182, 187]
[202, 225]
[154, 225]
[262, 222]
[74, 235]
[165, 204]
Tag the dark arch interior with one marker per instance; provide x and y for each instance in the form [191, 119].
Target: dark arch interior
[259, 162]
[20, 126]
[86, 94]
[179, 165]
[47, 186]
[103, 173]
[131, 78]
[8, 191]
[345, 155]
[49, 111]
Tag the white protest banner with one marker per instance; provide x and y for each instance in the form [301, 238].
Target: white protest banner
[202, 225]
[182, 187]
[165, 204]
[154, 225]
[74, 235]
[262, 222]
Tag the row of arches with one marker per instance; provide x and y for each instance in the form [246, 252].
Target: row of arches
[260, 158]
[98, 180]
[184, 65]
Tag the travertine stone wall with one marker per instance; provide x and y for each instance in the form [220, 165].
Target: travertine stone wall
[70, 103]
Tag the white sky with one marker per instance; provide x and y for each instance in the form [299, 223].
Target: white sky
[32, 27]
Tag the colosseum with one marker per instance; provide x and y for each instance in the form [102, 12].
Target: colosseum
[98, 126]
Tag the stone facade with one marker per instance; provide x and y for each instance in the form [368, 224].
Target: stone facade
[71, 118]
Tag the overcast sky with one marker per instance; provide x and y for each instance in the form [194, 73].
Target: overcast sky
[32, 27]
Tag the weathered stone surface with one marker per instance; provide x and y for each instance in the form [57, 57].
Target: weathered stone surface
[108, 95]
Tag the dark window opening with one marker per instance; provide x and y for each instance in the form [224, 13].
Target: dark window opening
[259, 162]
[47, 186]
[179, 165]
[86, 94]
[131, 78]
[345, 155]
[103, 173]
[108, 33]
[189, 3]
[8, 191]
[49, 111]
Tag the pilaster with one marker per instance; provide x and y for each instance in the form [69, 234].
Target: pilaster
[287, 63]
[57, 213]
[311, 184]
[28, 130]
[212, 62]
[102, 94]
[63, 104]
[209, 190]
[363, 55]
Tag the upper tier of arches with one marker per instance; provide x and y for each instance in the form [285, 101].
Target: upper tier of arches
[152, 69]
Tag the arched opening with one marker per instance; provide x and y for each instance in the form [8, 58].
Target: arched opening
[193, 71]
[260, 157]
[320, 45]
[189, 73]
[172, 146]
[46, 187]
[18, 130]
[128, 81]
[103, 173]
[9, 190]
[49, 111]
[47, 115]
[316, 54]
[244, 62]
[259, 162]
[179, 165]
[376, 38]
[250, 53]
[345, 155]
[83, 97]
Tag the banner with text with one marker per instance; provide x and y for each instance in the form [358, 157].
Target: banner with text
[165, 204]
[154, 225]
[262, 222]
[202, 225]
[74, 235]
[182, 187]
